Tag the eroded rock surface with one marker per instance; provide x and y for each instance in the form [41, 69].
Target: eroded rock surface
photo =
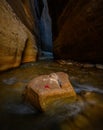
[17, 44]
[45, 89]
[25, 10]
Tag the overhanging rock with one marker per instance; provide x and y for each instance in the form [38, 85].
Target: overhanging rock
[46, 89]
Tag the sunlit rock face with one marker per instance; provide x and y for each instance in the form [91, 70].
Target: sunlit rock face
[17, 44]
[25, 10]
[80, 31]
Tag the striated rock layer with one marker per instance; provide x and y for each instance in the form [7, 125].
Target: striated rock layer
[17, 44]
[35, 15]
[42, 91]
[80, 31]
[25, 10]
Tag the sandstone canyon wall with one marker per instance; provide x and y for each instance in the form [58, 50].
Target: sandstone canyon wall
[35, 15]
[17, 43]
[79, 29]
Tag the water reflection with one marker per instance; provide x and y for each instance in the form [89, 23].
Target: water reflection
[10, 81]
[81, 113]
[87, 88]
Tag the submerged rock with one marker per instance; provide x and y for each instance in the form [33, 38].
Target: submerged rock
[46, 89]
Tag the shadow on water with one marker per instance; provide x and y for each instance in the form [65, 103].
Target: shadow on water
[81, 113]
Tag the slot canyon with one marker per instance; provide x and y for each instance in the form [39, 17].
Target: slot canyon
[44, 38]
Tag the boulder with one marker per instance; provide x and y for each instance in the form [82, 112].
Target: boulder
[46, 89]
[17, 44]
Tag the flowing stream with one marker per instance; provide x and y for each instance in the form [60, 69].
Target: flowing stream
[85, 112]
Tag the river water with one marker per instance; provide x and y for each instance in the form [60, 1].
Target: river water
[85, 112]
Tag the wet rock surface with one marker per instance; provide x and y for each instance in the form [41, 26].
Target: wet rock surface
[46, 89]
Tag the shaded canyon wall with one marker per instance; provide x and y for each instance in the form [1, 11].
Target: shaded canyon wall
[78, 29]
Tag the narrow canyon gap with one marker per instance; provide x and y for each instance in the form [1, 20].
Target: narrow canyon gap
[43, 22]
